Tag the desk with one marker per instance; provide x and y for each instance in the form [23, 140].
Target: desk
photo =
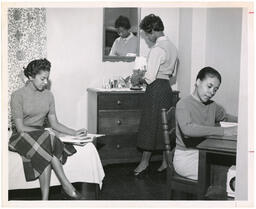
[223, 149]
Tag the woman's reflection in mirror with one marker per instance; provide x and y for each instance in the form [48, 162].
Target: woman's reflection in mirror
[127, 43]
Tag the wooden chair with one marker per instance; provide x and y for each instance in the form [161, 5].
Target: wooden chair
[175, 181]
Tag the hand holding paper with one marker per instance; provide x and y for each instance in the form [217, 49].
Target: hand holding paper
[82, 131]
[80, 140]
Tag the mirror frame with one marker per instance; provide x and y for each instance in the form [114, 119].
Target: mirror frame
[119, 58]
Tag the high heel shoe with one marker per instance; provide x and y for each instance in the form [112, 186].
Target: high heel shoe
[66, 196]
[161, 170]
[141, 173]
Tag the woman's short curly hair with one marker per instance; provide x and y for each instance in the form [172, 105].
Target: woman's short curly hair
[35, 66]
[123, 22]
[151, 22]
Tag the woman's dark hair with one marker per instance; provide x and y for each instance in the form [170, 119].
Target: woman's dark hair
[208, 71]
[151, 22]
[35, 66]
[123, 22]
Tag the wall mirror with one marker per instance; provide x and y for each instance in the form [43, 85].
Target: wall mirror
[121, 34]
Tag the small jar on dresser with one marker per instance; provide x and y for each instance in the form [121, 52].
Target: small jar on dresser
[116, 113]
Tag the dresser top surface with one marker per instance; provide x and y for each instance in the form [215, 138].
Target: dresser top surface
[117, 91]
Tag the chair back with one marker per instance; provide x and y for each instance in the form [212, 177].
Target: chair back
[173, 180]
[168, 126]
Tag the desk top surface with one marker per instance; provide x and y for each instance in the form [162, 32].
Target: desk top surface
[219, 144]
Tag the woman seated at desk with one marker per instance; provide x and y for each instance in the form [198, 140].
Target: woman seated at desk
[40, 151]
[196, 116]
[127, 43]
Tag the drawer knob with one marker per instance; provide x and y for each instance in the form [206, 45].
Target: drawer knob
[118, 122]
[118, 102]
[117, 146]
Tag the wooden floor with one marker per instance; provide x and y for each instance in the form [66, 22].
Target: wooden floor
[119, 184]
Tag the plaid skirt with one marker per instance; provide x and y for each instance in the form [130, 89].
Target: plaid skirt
[37, 149]
[158, 95]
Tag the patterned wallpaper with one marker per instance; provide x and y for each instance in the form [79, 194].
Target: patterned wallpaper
[26, 41]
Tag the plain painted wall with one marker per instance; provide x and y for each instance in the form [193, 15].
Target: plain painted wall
[223, 51]
[198, 51]
[184, 50]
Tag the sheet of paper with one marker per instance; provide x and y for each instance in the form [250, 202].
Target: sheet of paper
[228, 124]
[74, 139]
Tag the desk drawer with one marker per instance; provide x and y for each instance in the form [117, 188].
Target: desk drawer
[120, 101]
[118, 121]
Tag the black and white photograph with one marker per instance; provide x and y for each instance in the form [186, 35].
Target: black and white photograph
[145, 103]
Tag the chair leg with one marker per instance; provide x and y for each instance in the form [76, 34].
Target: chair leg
[169, 192]
[200, 196]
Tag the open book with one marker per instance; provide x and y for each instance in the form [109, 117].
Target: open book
[77, 140]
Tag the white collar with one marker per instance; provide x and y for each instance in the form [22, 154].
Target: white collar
[128, 37]
[161, 38]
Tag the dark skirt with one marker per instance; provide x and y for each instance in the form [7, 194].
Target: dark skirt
[37, 149]
[158, 95]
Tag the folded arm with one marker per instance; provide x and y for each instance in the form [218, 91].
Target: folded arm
[190, 129]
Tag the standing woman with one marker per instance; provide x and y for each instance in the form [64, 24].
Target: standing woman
[40, 151]
[160, 66]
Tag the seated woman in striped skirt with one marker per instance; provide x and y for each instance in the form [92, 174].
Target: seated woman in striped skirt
[40, 151]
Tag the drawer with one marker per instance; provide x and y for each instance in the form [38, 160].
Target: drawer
[110, 156]
[119, 101]
[118, 121]
[118, 147]
[117, 141]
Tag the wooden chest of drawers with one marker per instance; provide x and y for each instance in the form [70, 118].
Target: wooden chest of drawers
[117, 115]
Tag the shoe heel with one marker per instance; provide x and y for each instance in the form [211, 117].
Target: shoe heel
[65, 196]
[142, 173]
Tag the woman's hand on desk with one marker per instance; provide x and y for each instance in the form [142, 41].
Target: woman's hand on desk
[81, 132]
[230, 131]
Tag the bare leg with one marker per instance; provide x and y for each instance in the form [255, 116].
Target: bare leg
[67, 186]
[44, 180]
[164, 163]
[144, 161]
